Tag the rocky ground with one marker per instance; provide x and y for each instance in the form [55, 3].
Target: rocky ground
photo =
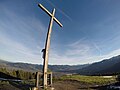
[76, 85]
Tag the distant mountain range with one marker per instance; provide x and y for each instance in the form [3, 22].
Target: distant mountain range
[108, 66]
[36, 67]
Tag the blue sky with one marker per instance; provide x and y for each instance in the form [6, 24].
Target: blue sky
[90, 33]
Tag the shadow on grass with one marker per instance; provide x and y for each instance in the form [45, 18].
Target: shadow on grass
[14, 82]
[6, 76]
[21, 85]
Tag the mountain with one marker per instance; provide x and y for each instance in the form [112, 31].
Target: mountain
[107, 66]
[36, 67]
[66, 68]
[104, 67]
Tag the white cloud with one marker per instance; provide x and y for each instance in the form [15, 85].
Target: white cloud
[18, 38]
[15, 48]
[78, 48]
[80, 53]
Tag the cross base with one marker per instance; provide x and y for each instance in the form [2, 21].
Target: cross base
[39, 81]
[39, 88]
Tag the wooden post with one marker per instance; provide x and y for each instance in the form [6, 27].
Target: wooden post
[47, 45]
[37, 79]
[51, 78]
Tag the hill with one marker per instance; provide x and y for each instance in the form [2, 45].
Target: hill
[36, 67]
[104, 67]
[20, 66]
[107, 66]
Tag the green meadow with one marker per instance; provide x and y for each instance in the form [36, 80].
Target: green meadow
[100, 80]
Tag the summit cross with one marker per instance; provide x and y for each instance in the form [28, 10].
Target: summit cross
[47, 44]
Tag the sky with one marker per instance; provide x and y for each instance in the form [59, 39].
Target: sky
[90, 32]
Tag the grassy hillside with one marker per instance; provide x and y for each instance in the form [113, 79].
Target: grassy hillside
[73, 82]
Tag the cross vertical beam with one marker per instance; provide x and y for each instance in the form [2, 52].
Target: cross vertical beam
[47, 45]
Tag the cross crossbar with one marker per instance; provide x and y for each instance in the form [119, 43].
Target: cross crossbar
[56, 20]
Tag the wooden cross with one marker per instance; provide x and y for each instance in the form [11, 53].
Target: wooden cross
[47, 45]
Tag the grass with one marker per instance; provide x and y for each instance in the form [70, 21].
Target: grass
[70, 82]
[29, 82]
[90, 79]
[4, 82]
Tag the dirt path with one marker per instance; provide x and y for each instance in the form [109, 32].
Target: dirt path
[71, 85]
